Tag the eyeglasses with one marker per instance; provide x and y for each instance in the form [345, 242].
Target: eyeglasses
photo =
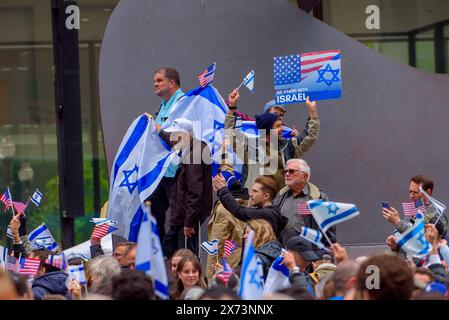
[291, 171]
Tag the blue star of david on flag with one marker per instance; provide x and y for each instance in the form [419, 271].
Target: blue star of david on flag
[256, 277]
[126, 183]
[421, 239]
[332, 208]
[328, 69]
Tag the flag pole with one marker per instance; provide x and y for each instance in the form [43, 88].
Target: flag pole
[10, 199]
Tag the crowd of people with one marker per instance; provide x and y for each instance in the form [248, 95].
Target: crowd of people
[263, 200]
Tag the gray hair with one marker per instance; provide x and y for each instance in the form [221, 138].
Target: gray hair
[303, 166]
[345, 271]
[103, 267]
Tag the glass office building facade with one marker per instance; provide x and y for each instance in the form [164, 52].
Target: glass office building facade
[414, 32]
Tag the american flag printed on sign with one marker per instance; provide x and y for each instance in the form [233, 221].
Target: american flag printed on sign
[287, 69]
[303, 209]
[412, 208]
[207, 76]
[313, 61]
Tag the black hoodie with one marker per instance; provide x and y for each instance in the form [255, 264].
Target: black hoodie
[270, 213]
[51, 283]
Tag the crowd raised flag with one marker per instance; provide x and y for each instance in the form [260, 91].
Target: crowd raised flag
[313, 74]
[207, 76]
[313, 236]
[440, 207]
[3, 258]
[103, 227]
[20, 207]
[248, 82]
[36, 198]
[229, 247]
[77, 273]
[211, 247]
[140, 163]
[413, 240]
[278, 276]
[226, 273]
[6, 199]
[303, 210]
[41, 238]
[29, 266]
[412, 208]
[251, 277]
[149, 256]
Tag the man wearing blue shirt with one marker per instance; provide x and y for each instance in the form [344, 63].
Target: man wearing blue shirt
[167, 85]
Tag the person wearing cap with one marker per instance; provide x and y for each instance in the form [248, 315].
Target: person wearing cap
[167, 86]
[298, 260]
[270, 159]
[191, 194]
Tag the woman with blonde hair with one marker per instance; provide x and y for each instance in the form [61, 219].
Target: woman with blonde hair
[266, 245]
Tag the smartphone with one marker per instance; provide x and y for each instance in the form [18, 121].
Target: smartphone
[385, 205]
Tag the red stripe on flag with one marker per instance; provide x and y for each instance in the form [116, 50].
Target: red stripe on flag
[303, 209]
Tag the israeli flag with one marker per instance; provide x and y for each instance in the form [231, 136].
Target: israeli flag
[3, 257]
[413, 241]
[327, 214]
[207, 110]
[211, 247]
[278, 276]
[41, 238]
[251, 277]
[249, 128]
[248, 81]
[9, 233]
[140, 163]
[36, 198]
[149, 257]
[313, 236]
[77, 272]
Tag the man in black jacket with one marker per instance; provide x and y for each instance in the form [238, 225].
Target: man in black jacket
[191, 194]
[262, 194]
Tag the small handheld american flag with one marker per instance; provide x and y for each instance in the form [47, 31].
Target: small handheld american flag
[207, 76]
[229, 247]
[19, 206]
[226, 273]
[412, 208]
[29, 266]
[6, 199]
[303, 209]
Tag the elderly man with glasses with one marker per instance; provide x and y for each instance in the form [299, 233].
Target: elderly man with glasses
[299, 189]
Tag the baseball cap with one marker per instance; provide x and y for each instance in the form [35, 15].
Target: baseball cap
[180, 125]
[302, 247]
[271, 104]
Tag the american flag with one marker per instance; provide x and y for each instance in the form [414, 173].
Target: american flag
[226, 273]
[313, 61]
[229, 247]
[412, 208]
[19, 206]
[287, 70]
[102, 230]
[303, 209]
[29, 266]
[6, 199]
[207, 76]
[12, 264]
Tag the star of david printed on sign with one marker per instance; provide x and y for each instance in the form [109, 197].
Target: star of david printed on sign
[126, 180]
[328, 69]
[332, 208]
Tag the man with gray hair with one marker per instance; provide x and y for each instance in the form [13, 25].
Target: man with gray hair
[299, 189]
